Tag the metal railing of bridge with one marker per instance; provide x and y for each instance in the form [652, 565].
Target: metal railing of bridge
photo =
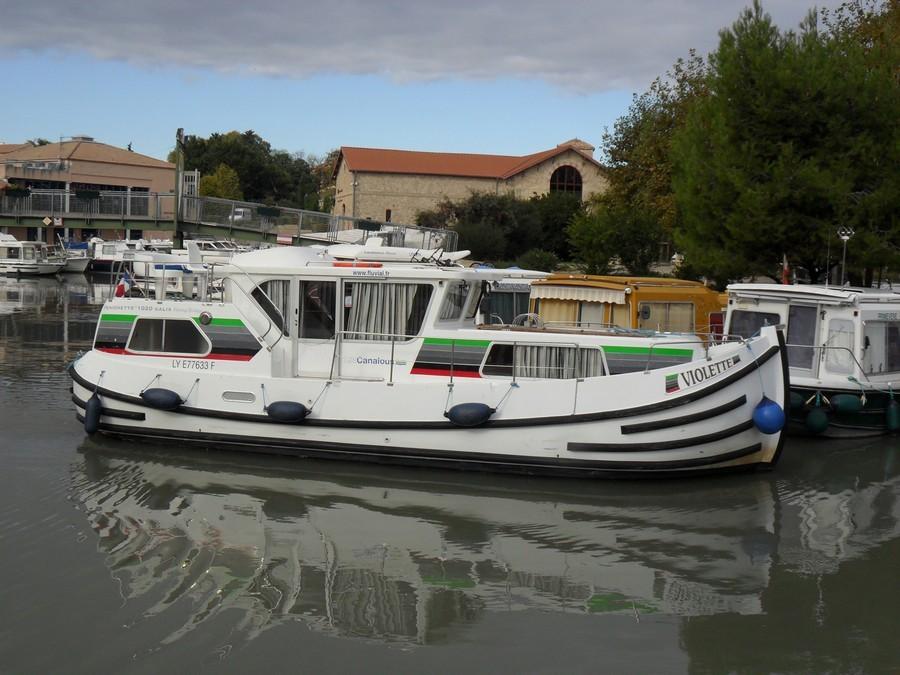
[226, 214]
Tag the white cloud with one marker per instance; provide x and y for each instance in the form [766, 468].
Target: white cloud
[579, 45]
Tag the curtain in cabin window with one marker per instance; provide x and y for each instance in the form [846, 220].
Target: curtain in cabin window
[277, 293]
[556, 363]
[377, 311]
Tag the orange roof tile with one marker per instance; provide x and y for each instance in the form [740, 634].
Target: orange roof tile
[9, 147]
[88, 151]
[376, 160]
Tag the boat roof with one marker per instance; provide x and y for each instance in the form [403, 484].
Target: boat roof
[12, 241]
[617, 282]
[307, 260]
[840, 295]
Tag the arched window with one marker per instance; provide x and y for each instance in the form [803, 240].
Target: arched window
[566, 179]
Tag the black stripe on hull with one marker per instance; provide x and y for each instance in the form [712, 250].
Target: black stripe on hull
[110, 412]
[457, 460]
[493, 424]
[684, 419]
[786, 384]
[662, 445]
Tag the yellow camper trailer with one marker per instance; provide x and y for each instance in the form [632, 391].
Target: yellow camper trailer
[651, 303]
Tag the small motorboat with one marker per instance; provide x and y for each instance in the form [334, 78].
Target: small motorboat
[27, 257]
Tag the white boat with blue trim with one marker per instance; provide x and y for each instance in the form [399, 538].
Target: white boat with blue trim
[304, 353]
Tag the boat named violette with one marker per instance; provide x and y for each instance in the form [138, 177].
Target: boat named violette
[303, 352]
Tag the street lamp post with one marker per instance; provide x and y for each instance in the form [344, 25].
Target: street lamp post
[844, 233]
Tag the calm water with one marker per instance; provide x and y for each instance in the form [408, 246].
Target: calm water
[121, 557]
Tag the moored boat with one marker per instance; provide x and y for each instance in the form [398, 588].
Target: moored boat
[843, 352]
[26, 257]
[310, 355]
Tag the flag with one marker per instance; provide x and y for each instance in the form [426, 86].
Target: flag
[785, 271]
[124, 285]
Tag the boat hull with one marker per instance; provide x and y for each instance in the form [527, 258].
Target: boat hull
[626, 425]
[31, 269]
[77, 265]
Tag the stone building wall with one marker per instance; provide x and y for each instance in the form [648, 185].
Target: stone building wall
[405, 195]
[536, 180]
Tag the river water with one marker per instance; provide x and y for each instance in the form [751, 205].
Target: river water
[138, 558]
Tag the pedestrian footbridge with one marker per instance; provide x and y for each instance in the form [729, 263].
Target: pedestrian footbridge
[60, 211]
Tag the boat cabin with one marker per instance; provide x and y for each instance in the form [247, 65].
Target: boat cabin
[13, 250]
[326, 318]
[645, 303]
[831, 332]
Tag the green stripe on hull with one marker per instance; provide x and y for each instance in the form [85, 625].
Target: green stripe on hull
[458, 343]
[222, 322]
[643, 351]
[121, 318]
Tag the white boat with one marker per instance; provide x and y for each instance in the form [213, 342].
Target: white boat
[843, 352]
[75, 255]
[76, 263]
[309, 355]
[26, 257]
[106, 256]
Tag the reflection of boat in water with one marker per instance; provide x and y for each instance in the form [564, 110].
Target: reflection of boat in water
[405, 555]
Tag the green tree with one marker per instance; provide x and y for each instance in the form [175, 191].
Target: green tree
[265, 174]
[498, 227]
[555, 211]
[797, 136]
[224, 183]
[637, 151]
[609, 231]
[538, 259]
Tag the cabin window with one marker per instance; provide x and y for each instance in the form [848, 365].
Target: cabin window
[591, 315]
[801, 336]
[839, 346]
[273, 297]
[318, 300]
[746, 324]
[28, 253]
[502, 306]
[475, 300]
[676, 317]
[170, 336]
[454, 300]
[881, 347]
[378, 311]
[619, 316]
[549, 362]
[12, 254]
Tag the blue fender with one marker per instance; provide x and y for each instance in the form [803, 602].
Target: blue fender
[287, 411]
[469, 414]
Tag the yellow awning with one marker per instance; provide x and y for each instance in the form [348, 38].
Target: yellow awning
[581, 294]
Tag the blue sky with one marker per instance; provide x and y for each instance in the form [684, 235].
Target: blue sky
[497, 76]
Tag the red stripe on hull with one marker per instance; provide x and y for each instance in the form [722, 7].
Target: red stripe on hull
[212, 356]
[444, 373]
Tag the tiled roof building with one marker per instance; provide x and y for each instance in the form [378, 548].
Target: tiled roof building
[395, 185]
[84, 163]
